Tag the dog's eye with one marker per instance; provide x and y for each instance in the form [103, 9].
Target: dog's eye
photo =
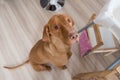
[68, 20]
[56, 27]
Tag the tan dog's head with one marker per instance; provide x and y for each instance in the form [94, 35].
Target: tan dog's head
[60, 27]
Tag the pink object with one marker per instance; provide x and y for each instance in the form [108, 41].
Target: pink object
[85, 45]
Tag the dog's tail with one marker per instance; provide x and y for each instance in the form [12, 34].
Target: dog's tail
[14, 67]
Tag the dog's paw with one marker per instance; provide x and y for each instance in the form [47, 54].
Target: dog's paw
[48, 68]
[63, 67]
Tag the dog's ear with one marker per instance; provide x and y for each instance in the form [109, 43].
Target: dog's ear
[46, 33]
[70, 20]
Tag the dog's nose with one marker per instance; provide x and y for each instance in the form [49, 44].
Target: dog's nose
[73, 36]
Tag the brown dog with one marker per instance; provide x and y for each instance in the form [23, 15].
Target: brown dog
[54, 47]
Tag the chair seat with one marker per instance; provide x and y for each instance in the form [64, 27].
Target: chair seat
[85, 45]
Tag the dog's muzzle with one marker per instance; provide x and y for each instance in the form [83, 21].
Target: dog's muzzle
[73, 36]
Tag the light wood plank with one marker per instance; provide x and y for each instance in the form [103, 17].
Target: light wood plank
[21, 26]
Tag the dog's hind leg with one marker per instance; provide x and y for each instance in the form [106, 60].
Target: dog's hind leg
[40, 67]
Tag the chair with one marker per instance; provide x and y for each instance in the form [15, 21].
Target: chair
[101, 40]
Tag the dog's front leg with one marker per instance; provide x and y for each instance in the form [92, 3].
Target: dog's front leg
[62, 67]
[69, 54]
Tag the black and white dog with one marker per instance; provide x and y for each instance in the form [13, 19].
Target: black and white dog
[52, 5]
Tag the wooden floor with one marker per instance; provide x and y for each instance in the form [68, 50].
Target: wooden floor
[21, 26]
